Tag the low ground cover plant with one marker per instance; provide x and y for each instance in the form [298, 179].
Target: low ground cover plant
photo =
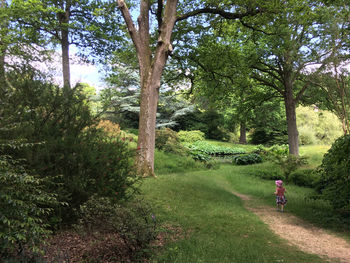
[214, 150]
[246, 159]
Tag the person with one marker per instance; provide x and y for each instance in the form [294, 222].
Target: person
[281, 200]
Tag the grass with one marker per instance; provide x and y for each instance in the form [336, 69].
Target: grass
[166, 163]
[217, 228]
[215, 225]
[315, 153]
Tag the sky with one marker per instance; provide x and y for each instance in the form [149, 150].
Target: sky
[80, 72]
[86, 73]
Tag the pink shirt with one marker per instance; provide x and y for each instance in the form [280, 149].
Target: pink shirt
[280, 191]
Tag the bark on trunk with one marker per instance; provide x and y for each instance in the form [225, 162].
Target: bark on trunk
[147, 126]
[2, 69]
[65, 58]
[64, 18]
[151, 69]
[243, 134]
[345, 126]
[293, 135]
[3, 47]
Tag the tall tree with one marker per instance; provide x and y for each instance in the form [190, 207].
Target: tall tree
[286, 47]
[152, 56]
[334, 79]
[4, 20]
[18, 46]
[88, 24]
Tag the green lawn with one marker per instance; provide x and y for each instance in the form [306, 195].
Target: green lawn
[215, 225]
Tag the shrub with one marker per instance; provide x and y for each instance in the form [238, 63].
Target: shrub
[173, 146]
[25, 204]
[278, 150]
[111, 129]
[289, 163]
[304, 177]
[317, 126]
[199, 155]
[133, 221]
[334, 184]
[90, 163]
[306, 136]
[86, 159]
[133, 131]
[191, 136]
[167, 140]
[251, 158]
[163, 135]
[262, 136]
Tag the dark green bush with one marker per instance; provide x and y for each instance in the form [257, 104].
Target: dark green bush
[246, 159]
[133, 221]
[334, 184]
[304, 177]
[86, 160]
[89, 164]
[262, 136]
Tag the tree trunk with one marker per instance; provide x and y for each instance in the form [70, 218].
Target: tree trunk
[64, 18]
[3, 47]
[2, 68]
[151, 69]
[147, 127]
[65, 58]
[293, 135]
[345, 125]
[243, 134]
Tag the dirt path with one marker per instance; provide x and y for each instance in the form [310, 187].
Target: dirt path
[306, 237]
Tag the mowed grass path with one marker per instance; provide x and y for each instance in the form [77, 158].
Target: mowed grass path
[215, 225]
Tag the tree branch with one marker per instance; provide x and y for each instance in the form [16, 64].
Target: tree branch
[159, 13]
[267, 83]
[301, 92]
[269, 70]
[222, 13]
[256, 29]
[130, 24]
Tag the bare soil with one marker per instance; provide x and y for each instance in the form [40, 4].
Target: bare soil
[305, 236]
